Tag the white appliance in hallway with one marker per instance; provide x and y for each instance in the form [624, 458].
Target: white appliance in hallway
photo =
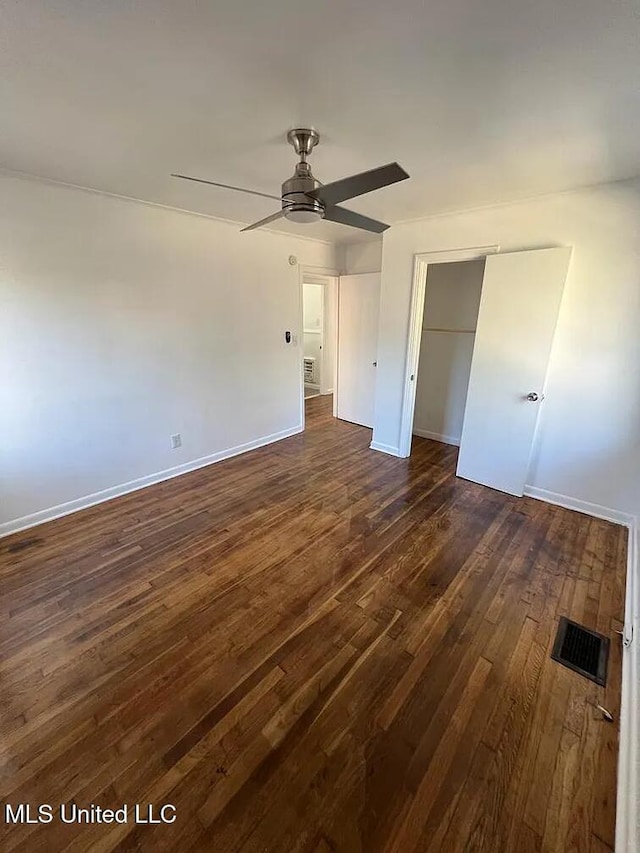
[358, 308]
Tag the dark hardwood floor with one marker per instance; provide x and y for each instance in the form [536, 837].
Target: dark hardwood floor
[312, 647]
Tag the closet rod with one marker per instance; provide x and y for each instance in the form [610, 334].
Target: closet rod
[436, 329]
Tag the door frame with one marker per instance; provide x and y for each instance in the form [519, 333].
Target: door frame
[421, 263]
[330, 279]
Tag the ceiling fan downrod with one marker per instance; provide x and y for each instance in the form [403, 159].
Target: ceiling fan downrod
[304, 140]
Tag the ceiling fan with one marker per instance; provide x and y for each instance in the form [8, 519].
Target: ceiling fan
[305, 199]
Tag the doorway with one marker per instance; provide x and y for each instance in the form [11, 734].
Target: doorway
[338, 343]
[313, 337]
[450, 315]
[318, 341]
[501, 376]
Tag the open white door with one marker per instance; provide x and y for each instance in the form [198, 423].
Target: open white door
[358, 305]
[521, 295]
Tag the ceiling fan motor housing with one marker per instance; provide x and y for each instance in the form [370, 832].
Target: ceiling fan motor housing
[294, 198]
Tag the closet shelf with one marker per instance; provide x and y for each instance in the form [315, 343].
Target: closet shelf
[455, 331]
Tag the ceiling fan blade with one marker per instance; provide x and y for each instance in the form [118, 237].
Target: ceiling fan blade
[264, 221]
[355, 185]
[356, 220]
[225, 186]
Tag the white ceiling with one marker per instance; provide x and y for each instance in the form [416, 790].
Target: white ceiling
[481, 102]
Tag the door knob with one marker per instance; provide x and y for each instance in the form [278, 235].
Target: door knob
[533, 397]
[374, 363]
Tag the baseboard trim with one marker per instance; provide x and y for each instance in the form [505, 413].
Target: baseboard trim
[595, 510]
[628, 795]
[25, 522]
[436, 436]
[385, 448]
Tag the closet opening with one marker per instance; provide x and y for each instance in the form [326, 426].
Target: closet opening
[449, 319]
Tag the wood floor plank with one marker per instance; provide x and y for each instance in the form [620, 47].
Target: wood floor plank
[312, 647]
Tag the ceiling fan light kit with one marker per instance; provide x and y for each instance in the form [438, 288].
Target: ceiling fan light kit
[305, 200]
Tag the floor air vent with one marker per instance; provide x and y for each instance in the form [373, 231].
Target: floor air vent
[583, 651]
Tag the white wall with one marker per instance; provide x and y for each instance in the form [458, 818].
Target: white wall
[588, 442]
[452, 302]
[123, 323]
[365, 256]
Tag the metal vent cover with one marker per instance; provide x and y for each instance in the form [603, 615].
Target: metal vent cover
[585, 652]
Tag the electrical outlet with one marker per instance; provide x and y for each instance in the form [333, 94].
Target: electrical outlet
[176, 441]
